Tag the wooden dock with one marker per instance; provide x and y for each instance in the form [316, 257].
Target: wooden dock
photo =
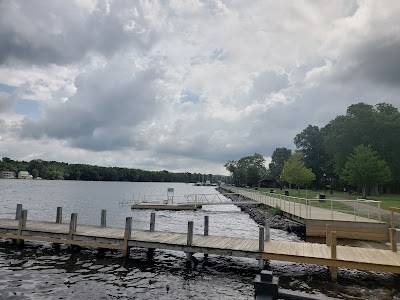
[263, 248]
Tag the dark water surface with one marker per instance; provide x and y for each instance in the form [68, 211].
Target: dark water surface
[39, 271]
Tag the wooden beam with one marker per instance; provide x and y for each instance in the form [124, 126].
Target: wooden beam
[261, 239]
[328, 239]
[189, 241]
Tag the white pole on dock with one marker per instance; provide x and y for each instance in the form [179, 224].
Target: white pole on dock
[261, 235]
[59, 215]
[103, 220]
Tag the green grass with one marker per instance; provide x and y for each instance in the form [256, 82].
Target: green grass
[387, 200]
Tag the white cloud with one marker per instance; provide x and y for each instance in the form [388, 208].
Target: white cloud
[187, 85]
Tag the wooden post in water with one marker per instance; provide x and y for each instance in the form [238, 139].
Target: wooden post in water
[150, 252]
[152, 221]
[267, 231]
[59, 215]
[18, 213]
[261, 235]
[189, 241]
[206, 223]
[22, 226]
[127, 236]
[393, 241]
[334, 270]
[72, 225]
[103, 221]
[328, 234]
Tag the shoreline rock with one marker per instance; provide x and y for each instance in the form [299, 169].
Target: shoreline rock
[259, 215]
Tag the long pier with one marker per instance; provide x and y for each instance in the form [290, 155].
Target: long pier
[329, 254]
[348, 225]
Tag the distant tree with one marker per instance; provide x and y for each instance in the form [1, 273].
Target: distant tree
[35, 173]
[278, 159]
[365, 169]
[248, 170]
[295, 172]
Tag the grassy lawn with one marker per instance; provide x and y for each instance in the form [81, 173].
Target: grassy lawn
[387, 200]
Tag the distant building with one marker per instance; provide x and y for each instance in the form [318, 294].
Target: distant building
[24, 175]
[7, 174]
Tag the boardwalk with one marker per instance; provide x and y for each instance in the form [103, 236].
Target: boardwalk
[121, 239]
[348, 225]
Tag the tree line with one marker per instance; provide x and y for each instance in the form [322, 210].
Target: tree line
[53, 170]
[357, 151]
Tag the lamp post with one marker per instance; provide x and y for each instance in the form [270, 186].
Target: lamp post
[325, 182]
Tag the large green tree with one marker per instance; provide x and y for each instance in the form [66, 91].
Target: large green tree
[278, 159]
[378, 126]
[295, 172]
[365, 169]
[310, 142]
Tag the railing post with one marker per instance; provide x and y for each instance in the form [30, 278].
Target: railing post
[206, 223]
[328, 240]
[189, 241]
[59, 215]
[18, 213]
[334, 270]
[103, 221]
[379, 211]
[127, 236]
[332, 209]
[261, 234]
[393, 241]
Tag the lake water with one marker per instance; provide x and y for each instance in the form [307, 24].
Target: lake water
[38, 271]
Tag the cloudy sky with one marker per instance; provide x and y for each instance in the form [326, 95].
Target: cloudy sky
[185, 85]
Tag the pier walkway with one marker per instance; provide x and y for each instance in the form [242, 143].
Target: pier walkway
[349, 222]
[331, 254]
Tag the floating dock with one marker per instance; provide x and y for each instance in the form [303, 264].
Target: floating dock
[167, 206]
[329, 254]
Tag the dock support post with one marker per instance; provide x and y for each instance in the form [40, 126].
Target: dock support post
[22, 225]
[127, 236]
[72, 225]
[206, 222]
[261, 235]
[152, 221]
[189, 241]
[334, 270]
[18, 213]
[267, 231]
[59, 215]
[150, 252]
[328, 234]
[103, 221]
[393, 241]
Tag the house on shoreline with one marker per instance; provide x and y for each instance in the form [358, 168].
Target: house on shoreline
[7, 175]
[24, 175]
